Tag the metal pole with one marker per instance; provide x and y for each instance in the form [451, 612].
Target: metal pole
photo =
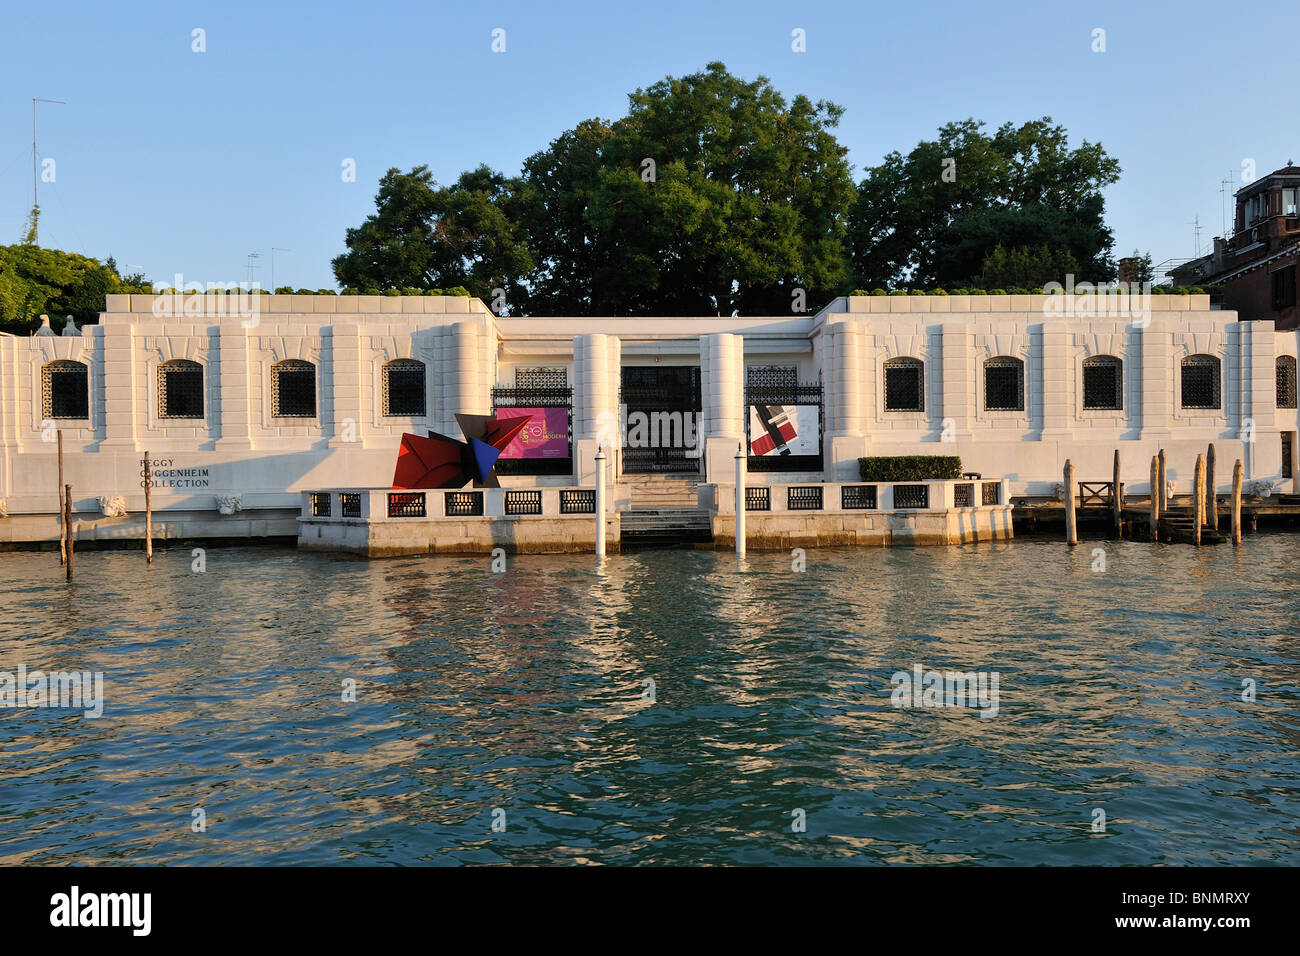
[1155, 499]
[600, 502]
[740, 502]
[1164, 483]
[1236, 502]
[1198, 499]
[67, 525]
[1117, 498]
[1211, 499]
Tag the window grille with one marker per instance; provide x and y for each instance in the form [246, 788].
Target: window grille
[65, 391]
[1286, 391]
[1200, 385]
[404, 389]
[461, 504]
[180, 389]
[758, 499]
[772, 376]
[911, 496]
[578, 502]
[992, 493]
[1103, 382]
[804, 498]
[320, 504]
[293, 389]
[963, 495]
[523, 502]
[350, 504]
[904, 385]
[542, 377]
[406, 504]
[857, 496]
[1004, 385]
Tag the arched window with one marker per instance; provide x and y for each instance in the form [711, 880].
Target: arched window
[293, 389]
[180, 389]
[1103, 382]
[65, 390]
[904, 385]
[1286, 381]
[404, 388]
[1004, 384]
[1200, 385]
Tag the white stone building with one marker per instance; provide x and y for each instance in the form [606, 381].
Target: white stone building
[239, 415]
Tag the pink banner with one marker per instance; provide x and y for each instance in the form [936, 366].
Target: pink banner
[545, 436]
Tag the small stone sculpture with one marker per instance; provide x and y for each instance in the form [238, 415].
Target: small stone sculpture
[114, 507]
[70, 329]
[45, 326]
[229, 504]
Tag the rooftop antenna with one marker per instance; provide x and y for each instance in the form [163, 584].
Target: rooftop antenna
[1225, 189]
[274, 250]
[1196, 231]
[252, 265]
[35, 176]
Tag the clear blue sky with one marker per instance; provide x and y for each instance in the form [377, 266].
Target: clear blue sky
[185, 162]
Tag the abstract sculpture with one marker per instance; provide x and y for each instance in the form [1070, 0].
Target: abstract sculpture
[442, 462]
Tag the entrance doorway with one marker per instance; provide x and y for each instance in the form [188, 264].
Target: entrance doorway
[661, 419]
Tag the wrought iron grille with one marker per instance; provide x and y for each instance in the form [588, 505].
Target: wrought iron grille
[963, 495]
[581, 501]
[350, 504]
[406, 504]
[857, 497]
[293, 389]
[320, 504]
[1004, 384]
[772, 376]
[911, 496]
[904, 385]
[1286, 391]
[545, 378]
[404, 389]
[523, 502]
[180, 389]
[1200, 386]
[537, 396]
[650, 391]
[1287, 471]
[65, 390]
[462, 504]
[1103, 382]
[758, 498]
[804, 498]
[992, 493]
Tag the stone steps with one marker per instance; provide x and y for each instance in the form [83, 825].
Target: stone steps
[665, 526]
[653, 492]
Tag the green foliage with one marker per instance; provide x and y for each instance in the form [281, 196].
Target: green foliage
[898, 292]
[909, 468]
[998, 292]
[1027, 268]
[878, 292]
[34, 280]
[937, 292]
[1021, 187]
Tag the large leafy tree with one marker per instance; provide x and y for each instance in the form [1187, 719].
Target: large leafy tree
[34, 280]
[425, 236]
[934, 216]
[746, 201]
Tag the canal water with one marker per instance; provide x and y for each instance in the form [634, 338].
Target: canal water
[671, 707]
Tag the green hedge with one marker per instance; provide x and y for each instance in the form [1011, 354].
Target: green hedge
[909, 468]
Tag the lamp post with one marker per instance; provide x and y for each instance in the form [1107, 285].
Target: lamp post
[740, 502]
[600, 502]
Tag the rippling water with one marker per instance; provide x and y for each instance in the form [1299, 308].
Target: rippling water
[1120, 690]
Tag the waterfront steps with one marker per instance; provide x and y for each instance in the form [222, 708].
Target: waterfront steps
[658, 492]
[666, 526]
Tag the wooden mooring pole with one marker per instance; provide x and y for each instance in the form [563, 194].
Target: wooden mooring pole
[1198, 499]
[63, 552]
[1155, 498]
[67, 528]
[1071, 527]
[1236, 502]
[1164, 483]
[1211, 497]
[148, 510]
[1117, 499]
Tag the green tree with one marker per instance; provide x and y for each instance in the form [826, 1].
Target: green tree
[424, 236]
[35, 281]
[934, 216]
[713, 195]
[1025, 268]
